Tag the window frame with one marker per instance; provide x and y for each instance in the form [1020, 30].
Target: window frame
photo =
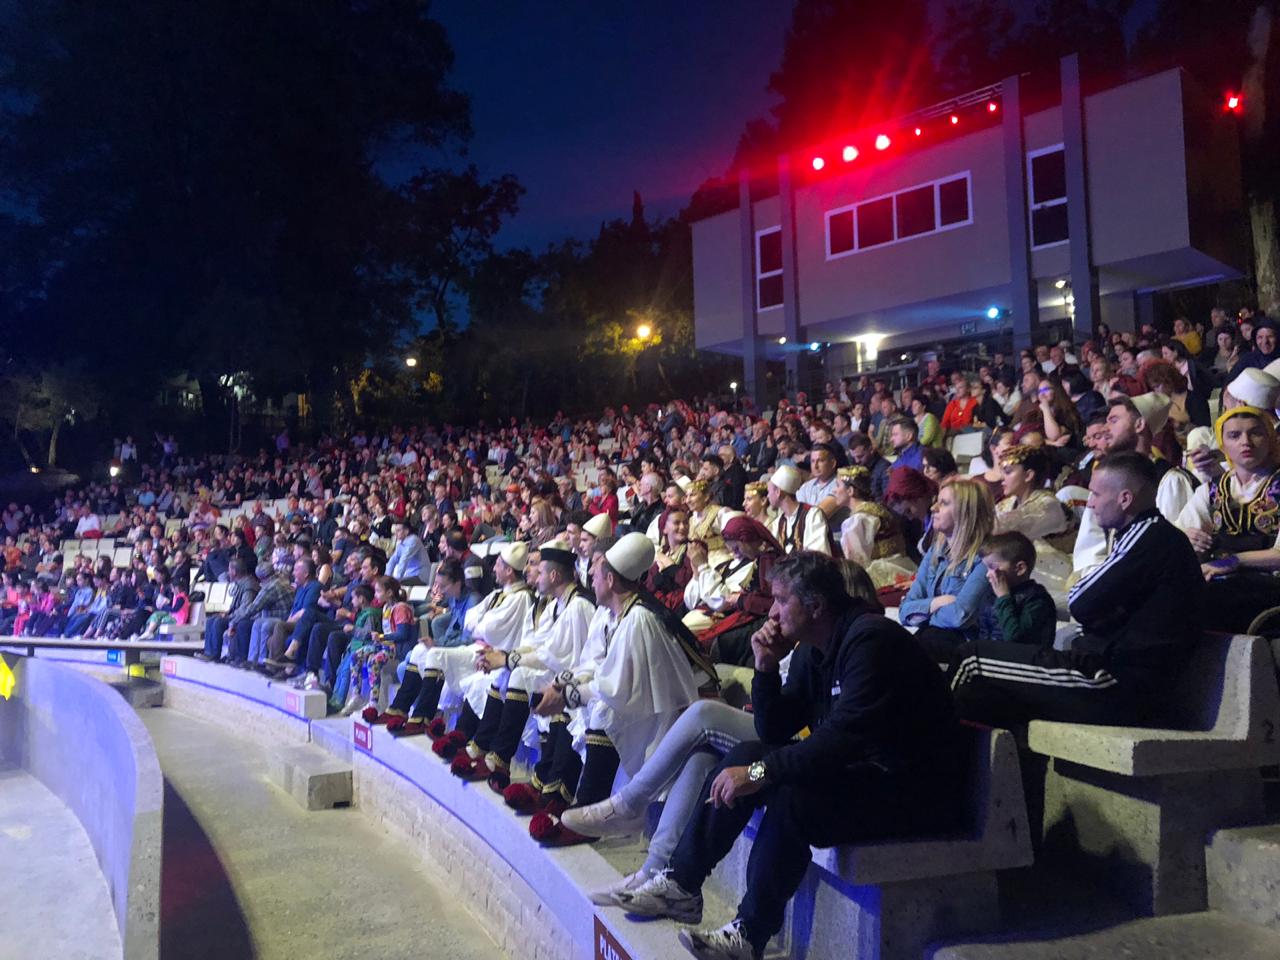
[938, 226]
[1032, 206]
[761, 275]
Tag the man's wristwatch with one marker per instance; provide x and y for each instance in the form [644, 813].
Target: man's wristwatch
[756, 773]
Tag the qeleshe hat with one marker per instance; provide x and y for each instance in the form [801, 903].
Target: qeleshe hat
[786, 478]
[631, 556]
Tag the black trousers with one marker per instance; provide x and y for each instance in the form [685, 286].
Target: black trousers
[1232, 603]
[559, 766]
[515, 714]
[860, 804]
[313, 642]
[940, 642]
[1007, 684]
[214, 628]
[335, 646]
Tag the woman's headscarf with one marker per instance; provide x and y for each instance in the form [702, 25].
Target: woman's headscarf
[1265, 417]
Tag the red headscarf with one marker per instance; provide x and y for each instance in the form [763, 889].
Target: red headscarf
[748, 530]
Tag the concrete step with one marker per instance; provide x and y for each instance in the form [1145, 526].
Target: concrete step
[1243, 867]
[1191, 936]
[312, 776]
[139, 692]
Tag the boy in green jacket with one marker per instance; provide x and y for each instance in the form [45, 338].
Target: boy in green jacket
[1023, 609]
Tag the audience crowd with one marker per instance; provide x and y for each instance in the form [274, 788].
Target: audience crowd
[613, 591]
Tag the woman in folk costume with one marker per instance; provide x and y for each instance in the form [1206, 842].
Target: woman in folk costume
[706, 520]
[672, 569]
[728, 601]
[871, 535]
[1233, 521]
[1027, 507]
[755, 502]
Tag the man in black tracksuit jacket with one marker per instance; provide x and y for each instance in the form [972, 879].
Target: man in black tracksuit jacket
[882, 758]
[1140, 613]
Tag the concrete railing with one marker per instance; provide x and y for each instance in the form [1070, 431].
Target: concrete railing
[83, 742]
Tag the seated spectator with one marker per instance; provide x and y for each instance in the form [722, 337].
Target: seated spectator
[937, 464]
[672, 567]
[819, 489]
[950, 591]
[1139, 613]
[797, 526]
[1026, 506]
[930, 430]
[910, 496]
[1024, 611]
[871, 536]
[904, 437]
[1233, 522]
[881, 760]
[864, 453]
[959, 412]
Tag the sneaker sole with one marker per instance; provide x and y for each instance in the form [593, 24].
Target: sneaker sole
[698, 950]
[690, 913]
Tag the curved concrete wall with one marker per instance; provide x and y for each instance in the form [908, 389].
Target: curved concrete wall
[82, 741]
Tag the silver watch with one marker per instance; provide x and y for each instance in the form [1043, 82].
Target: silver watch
[756, 772]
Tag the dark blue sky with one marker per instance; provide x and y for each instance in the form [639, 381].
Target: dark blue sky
[586, 101]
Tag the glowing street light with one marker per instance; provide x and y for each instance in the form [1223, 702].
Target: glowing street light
[733, 385]
[411, 361]
[114, 469]
[643, 331]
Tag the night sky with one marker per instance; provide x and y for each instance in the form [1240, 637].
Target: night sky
[585, 102]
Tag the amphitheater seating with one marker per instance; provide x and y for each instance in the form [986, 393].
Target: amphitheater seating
[1143, 800]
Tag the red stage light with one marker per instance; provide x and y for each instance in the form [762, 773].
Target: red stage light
[818, 163]
[918, 131]
[882, 142]
[1235, 102]
[849, 154]
[992, 106]
[954, 119]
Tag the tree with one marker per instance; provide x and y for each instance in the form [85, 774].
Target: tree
[206, 192]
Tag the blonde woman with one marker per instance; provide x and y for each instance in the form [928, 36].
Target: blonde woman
[950, 601]
[755, 503]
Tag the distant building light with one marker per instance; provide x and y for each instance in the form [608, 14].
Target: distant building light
[882, 142]
[993, 313]
[992, 106]
[1060, 284]
[1235, 103]
[954, 119]
[818, 163]
[918, 131]
[733, 385]
[815, 346]
[782, 340]
[849, 154]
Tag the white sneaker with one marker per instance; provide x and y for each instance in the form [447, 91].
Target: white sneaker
[354, 704]
[604, 819]
[310, 682]
[727, 943]
[661, 896]
[607, 896]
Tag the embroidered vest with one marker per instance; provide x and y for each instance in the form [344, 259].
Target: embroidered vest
[889, 541]
[1244, 526]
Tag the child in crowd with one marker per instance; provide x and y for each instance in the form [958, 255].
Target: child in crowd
[43, 611]
[347, 674]
[1024, 611]
[25, 606]
[78, 615]
[9, 602]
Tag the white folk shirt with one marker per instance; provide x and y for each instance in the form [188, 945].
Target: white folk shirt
[717, 587]
[640, 687]
[814, 535]
[497, 623]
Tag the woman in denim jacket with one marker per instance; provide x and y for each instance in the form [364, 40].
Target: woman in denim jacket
[950, 593]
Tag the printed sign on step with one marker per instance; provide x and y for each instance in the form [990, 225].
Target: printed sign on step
[607, 948]
[169, 668]
[293, 703]
[360, 735]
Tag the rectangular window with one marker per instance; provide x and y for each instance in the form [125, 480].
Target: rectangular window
[769, 268]
[840, 232]
[953, 202]
[875, 223]
[916, 214]
[1047, 185]
[915, 211]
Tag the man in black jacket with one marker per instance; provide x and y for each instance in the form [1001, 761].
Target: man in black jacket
[1140, 613]
[883, 757]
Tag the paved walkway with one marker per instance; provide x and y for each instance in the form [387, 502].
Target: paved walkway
[53, 898]
[249, 874]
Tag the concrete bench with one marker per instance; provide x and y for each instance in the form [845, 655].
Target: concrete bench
[130, 650]
[312, 776]
[1142, 800]
[246, 684]
[895, 896]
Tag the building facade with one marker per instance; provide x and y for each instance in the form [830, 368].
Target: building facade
[976, 222]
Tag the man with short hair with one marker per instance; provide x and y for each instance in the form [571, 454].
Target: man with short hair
[409, 559]
[883, 758]
[646, 507]
[904, 435]
[822, 481]
[250, 627]
[1131, 423]
[243, 589]
[864, 454]
[1139, 614]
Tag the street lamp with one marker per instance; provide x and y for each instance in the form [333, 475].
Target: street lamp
[410, 361]
[114, 469]
[643, 331]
